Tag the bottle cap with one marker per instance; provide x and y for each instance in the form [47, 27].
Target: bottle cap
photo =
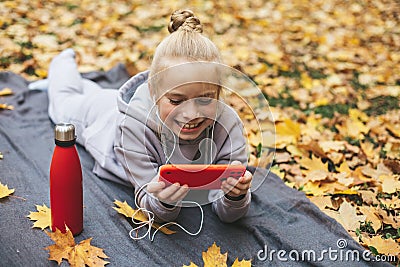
[64, 132]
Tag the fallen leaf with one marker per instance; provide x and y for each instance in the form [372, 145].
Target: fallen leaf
[347, 216]
[384, 246]
[288, 129]
[242, 263]
[124, 209]
[42, 217]
[313, 188]
[390, 204]
[313, 164]
[314, 147]
[390, 184]
[6, 91]
[213, 257]
[369, 197]
[322, 201]
[81, 254]
[4, 191]
[317, 175]
[388, 219]
[372, 216]
[5, 106]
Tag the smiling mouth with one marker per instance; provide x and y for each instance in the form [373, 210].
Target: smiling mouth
[189, 125]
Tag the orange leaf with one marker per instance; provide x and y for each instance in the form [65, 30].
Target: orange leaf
[76, 254]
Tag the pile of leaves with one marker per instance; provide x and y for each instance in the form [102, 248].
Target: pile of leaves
[330, 71]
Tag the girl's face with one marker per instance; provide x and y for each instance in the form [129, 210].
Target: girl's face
[189, 109]
[187, 94]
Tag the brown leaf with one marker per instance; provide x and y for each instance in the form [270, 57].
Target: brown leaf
[393, 165]
[81, 254]
[314, 147]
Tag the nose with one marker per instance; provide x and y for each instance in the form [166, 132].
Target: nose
[190, 110]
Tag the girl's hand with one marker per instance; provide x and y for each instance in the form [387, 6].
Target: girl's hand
[237, 187]
[167, 194]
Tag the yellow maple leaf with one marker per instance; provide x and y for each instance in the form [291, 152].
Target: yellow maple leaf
[213, 257]
[242, 263]
[5, 106]
[42, 217]
[287, 132]
[275, 169]
[390, 184]
[5, 191]
[347, 216]
[393, 128]
[344, 168]
[124, 209]
[313, 188]
[81, 254]
[321, 201]
[313, 164]
[384, 246]
[6, 91]
[372, 217]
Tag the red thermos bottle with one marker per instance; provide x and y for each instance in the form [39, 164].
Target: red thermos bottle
[66, 192]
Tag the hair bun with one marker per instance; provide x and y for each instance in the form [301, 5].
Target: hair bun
[184, 20]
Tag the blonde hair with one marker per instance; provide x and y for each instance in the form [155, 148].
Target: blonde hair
[186, 42]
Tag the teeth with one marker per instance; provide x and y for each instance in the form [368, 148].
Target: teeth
[190, 126]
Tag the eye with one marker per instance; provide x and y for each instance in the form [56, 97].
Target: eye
[175, 102]
[203, 100]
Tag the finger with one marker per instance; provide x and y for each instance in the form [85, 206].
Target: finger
[168, 191]
[154, 187]
[238, 184]
[232, 191]
[235, 192]
[236, 162]
[180, 194]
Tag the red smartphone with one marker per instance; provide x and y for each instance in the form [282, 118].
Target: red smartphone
[199, 176]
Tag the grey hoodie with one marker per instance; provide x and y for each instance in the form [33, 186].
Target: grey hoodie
[139, 150]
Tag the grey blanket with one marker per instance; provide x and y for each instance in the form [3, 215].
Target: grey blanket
[280, 218]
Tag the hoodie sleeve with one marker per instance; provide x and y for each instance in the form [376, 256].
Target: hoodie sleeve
[233, 147]
[137, 148]
[142, 171]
